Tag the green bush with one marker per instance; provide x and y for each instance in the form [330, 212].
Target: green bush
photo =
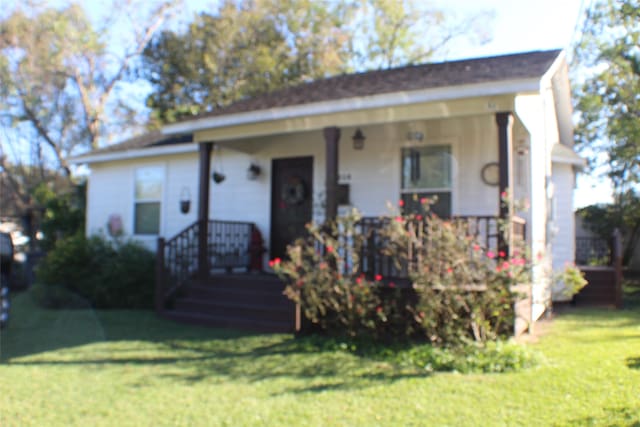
[107, 274]
[460, 291]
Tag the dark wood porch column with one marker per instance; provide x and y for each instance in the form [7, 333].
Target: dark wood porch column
[332, 140]
[505, 160]
[203, 208]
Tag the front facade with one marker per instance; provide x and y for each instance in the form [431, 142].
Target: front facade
[465, 143]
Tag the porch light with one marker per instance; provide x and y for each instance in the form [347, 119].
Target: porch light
[185, 200]
[253, 172]
[358, 140]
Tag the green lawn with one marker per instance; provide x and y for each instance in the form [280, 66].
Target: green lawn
[128, 368]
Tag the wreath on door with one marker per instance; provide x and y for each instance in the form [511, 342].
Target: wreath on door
[292, 192]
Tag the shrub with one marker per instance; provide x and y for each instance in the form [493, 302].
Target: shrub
[460, 290]
[323, 277]
[108, 275]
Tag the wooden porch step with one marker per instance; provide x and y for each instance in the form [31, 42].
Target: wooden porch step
[231, 322]
[239, 301]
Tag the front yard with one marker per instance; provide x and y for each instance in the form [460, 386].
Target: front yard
[129, 368]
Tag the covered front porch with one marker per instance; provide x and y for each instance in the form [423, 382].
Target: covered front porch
[468, 161]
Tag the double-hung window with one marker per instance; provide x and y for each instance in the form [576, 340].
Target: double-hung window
[148, 199]
[427, 172]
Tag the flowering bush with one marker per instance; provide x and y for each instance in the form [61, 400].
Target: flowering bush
[460, 290]
[464, 291]
[323, 278]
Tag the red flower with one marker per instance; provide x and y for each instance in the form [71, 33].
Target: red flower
[300, 283]
[491, 255]
[271, 263]
[401, 203]
[449, 270]
[503, 194]
[424, 200]
[502, 254]
[419, 217]
[358, 280]
[476, 247]
[505, 265]
[399, 219]
[378, 309]
[378, 277]
[498, 269]
[329, 248]
[392, 285]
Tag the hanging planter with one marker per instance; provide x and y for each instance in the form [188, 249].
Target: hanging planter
[218, 171]
[185, 200]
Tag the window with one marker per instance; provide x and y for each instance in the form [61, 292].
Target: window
[148, 196]
[426, 172]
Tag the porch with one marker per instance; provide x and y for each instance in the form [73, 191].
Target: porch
[207, 248]
[236, 290]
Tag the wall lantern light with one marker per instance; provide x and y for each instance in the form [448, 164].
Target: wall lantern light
[358, 140]
[253, 172]
[185, 200]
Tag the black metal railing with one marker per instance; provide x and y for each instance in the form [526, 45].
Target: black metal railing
[177, 258]
[228, 244]
[176, 262]
[371, 242]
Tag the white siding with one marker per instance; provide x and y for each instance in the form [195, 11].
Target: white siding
[563, 226]
[111, 192]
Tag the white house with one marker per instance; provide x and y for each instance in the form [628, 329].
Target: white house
[465, 130]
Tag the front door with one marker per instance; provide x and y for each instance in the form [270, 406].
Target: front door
[291, 201]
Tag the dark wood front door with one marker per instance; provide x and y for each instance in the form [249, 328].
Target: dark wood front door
[291, 201]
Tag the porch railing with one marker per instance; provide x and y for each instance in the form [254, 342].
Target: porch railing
[177, 258]
[485, 229]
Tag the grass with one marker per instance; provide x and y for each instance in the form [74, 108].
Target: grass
[129, 368]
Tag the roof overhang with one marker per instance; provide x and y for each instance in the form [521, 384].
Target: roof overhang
[374, 109]
[135, 153]
[560, 153]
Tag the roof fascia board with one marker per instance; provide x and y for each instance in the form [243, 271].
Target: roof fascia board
[135, 153]
[373, 116]
[358, 103]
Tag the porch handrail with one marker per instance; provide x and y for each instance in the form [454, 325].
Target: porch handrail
[484, 228]
[177, 258]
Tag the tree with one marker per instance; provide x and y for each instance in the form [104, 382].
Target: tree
[609, 112]
[249, 47]
[391, 33]
[607, 101]
[61, 76]
[246, 48]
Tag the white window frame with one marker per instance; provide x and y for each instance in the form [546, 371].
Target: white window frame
[161, 199]
[452, 189]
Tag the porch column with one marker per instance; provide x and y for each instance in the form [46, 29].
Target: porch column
[203, 208]
[332, 140]
[505, 160]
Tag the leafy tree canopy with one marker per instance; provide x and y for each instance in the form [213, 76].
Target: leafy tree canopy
[249, 47]
[608, 101]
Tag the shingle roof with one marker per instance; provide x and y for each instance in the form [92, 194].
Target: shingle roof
[151, 139]
[408, 78]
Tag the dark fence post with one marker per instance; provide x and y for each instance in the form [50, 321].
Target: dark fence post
[159, 293]
[616, 255]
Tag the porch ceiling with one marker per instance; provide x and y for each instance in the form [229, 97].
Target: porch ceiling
[340, 117]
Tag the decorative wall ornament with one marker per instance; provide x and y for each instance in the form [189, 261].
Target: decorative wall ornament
[115, 227]
[490, 173]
